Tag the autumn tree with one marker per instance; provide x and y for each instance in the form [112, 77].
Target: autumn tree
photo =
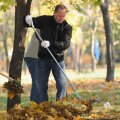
[104, 6]
[21, 9]
[109, 41]
[6, 31]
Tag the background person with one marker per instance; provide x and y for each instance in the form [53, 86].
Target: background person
[31, 59]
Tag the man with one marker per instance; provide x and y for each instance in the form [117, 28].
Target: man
[31, 59]
[56, 33]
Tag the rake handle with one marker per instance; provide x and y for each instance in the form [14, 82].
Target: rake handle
[6, 76]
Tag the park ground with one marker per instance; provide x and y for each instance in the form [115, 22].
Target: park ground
[88, 84]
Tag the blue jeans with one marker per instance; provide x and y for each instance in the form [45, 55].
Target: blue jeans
[40, 75]
[44, 69]
[32, 64]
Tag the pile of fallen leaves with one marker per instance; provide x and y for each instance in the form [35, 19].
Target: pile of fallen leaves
[64, 109]
[104, 116]
[58, 110]
[14, 86]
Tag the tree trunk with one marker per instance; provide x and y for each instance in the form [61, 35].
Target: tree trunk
[109, 43]
[38, 7]
[94, 61]
[93, 67]
[22, 9]
[93, 25]
[4, 39]
[6, 50]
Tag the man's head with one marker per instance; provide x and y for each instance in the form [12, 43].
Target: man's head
[60, 13]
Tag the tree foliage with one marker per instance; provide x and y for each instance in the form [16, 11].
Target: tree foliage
[6, 4]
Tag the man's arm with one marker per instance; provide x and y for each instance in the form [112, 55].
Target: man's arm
[38, 22]
[65, 42]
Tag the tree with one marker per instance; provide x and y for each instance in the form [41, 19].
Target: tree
[6, 33]
[104, 5]
[90, 13]
[22, 9]
[6, 49]
[109, 42]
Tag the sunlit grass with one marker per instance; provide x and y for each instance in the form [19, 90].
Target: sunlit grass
[103, 97]
[3, 101]
[88, 74]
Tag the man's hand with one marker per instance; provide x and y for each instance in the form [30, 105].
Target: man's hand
[45, 44]
[29, 20]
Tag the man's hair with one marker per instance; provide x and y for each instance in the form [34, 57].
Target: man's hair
[60, 6]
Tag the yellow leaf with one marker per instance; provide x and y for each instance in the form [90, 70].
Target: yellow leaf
[94, 116]
[33, 104]
[110, 85]
[105, 89]
[11, 95]
[78, 118]
[4, 115]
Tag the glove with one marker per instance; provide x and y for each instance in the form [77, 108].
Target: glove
[45, 44]
[29, 20]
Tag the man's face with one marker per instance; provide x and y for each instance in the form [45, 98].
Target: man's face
[60, 15]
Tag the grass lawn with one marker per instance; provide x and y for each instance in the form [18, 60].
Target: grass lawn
[89, 85]
[86, 89]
